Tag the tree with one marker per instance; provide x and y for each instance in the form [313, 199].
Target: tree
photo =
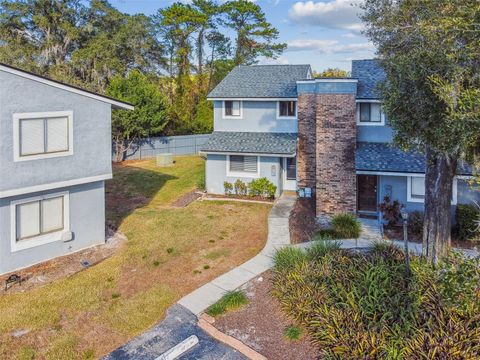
[331, 73]
[429, 50]
[255, 36]
[148, 118]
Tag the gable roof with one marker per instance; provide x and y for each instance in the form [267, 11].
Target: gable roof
[261, 81]
[369, 73]
[60, 85]
[384, 157]
[251, 143]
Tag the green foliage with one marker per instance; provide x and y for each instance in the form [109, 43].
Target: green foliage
[240, 187]
[415, 222]
[346, 226]
[331, 73]
[467, 217]
[201, 185]
[288, 257]
[320, 248]
[293, 333]
[262, 187]
[390, 210]
[228, 187]
[361, 305]
[232, 300]
[149, 116]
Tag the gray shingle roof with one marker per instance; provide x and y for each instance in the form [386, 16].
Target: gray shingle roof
[369, 73]
[251, 142]
[261, 81]
[387, 158]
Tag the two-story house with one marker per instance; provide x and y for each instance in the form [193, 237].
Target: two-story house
[328, 135]
[55, 155]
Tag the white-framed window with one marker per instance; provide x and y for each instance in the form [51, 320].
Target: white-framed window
[243, 166]
[232, 109]
[42, 135]
[39, 220]
[416, 189]
[370, 114]
[287, 109]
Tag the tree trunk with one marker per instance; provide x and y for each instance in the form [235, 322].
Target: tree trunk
[439, 176]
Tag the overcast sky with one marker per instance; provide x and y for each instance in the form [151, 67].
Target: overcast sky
[321, 33]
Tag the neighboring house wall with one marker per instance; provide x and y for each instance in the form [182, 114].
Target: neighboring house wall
[380, 133]
[86, 218]
[216, 173]
[91, 134]
[257, 116]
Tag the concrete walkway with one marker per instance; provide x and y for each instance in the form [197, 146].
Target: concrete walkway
[278, 236]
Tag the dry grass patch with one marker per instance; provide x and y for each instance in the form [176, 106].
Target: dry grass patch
[93, 312]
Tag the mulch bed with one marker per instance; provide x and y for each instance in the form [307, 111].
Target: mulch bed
[302, 221]
[261, 324]
[187, 199]
[61, 267]
[396, 233]
[240, 197]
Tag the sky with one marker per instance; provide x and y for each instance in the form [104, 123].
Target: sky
[324, 34]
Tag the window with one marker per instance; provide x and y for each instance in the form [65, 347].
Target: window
[232, 108]
[416, 189]
[42, 135]
[287, 109]
[370, 113]
[291, 168]
[39, 220]
[239, 165]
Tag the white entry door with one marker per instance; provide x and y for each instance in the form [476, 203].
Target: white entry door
[290, 174]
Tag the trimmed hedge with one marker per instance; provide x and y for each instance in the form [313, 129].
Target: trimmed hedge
[467, 217]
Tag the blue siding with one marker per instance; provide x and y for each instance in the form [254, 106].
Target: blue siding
[378, 134]
[87, 222]
[216, 172]
[258, 116]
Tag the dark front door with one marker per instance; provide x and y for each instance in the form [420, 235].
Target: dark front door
[367, 192]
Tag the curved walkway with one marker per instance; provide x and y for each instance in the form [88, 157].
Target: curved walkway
[278, 236]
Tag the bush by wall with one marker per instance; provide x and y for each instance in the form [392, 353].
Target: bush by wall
[240, 187]
[262, 187]
[467, 216]
[346, 226]
[415, 222]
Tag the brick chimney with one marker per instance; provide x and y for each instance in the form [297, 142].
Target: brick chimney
[326, 146]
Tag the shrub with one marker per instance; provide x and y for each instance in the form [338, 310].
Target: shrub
[262, 187]
[287, 257]
[390, 210]
[467, 216]
[228, 187]
[415, 222]
[230, 301]
[320, 248]
[240, 187]
[293, 333]
[346, 226]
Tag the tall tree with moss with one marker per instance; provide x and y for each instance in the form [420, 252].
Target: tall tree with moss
[255, 36]
[430, 52]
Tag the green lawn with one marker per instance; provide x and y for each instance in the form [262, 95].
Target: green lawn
[169, 252]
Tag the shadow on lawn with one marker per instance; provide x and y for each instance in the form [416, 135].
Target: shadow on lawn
[131, 187]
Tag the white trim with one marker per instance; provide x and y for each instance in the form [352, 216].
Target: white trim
[56, 185]
[224, 116]
[377, 101]
[320, 80]
[41, 115]
[417, 200]
[251, 99]
[75, 90]
[386, 173]
[246, 154]
[243, 174]
[41, 239]
[287, 117]
[372, 123]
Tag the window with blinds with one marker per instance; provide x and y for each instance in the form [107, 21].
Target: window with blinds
[417, 187]
[39, 217]
[240, 163]
[232, 108]
[287, 108]
[43, 135]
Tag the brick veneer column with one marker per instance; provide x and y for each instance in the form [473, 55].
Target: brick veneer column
[306, 152]
[335, 154]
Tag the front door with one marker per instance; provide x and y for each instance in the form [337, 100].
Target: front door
[290, 174]
[367, 192]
